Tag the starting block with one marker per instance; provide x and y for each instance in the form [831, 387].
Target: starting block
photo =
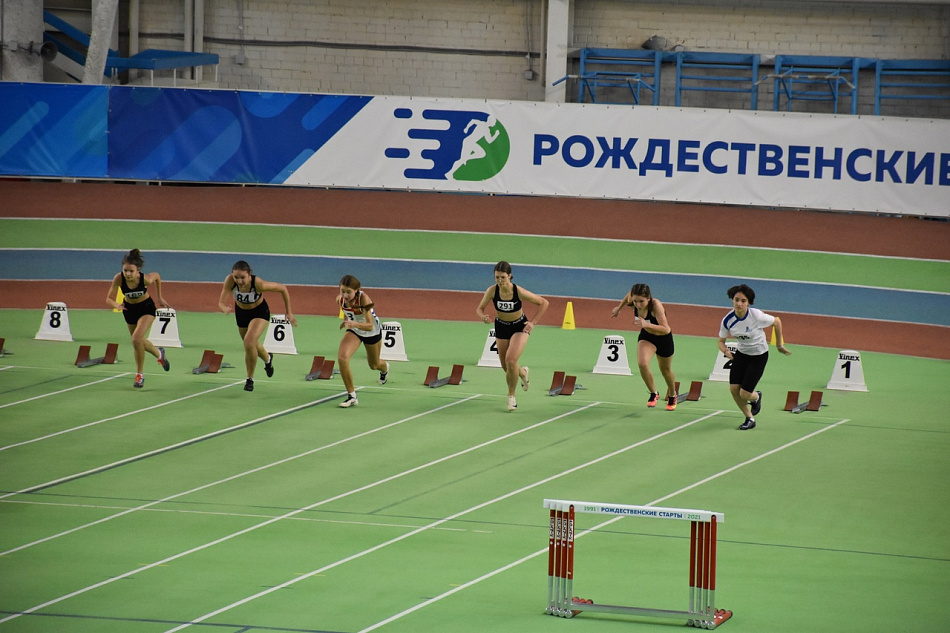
[83, 360]
[321, 369]
[794, 406]
[210, 363]
[433, 380]
[694, 393]
[563, 385]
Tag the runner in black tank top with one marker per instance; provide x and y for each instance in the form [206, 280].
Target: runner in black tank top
[512, 326]
[655, 339]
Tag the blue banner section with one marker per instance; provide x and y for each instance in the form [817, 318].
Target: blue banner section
[838, 300]
[219, 136]
[144, 133]
[53, 130]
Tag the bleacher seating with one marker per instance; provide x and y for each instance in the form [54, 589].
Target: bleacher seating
[816, 78]
[911, 79]
[718, 72]
[608, 75]
[73, 43]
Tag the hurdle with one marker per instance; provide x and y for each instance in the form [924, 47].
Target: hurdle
[320, 369]
[701, 611]
[83, 360]
[210, 363]
[563, 385]
[432, 376]
[813, 403]
[694, 393]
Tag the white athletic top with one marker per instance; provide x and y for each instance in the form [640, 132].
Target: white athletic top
[361, 315]
[748, 332]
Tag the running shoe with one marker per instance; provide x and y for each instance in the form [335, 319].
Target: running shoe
[670, 403]
[162, 360]
[351, 401]
[139, 381]
[652, 401]
[525, 383]
[748, 424]
[383, 377]
[269, 366]
[757, 404]
[512, 404]
[249, 384]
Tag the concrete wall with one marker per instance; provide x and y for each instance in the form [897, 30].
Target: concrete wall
[461, 48]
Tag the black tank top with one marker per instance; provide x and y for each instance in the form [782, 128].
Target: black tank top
[138, 292]
[508, 307]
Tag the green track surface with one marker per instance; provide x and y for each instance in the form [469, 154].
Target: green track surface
[878, 272]
[835, 520]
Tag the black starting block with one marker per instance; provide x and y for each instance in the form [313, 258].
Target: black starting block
[83, 360]
[210, 363]
[694, 393]
[432, 377]
[813, 403]
[321, 369]
[563, 385]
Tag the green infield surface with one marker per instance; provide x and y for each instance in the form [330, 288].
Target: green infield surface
[193, 505]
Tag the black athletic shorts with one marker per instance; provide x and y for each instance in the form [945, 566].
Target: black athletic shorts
[244, 317]
[135, 311]
[505, 329]
[746, 371]
[368, 340]
[663, 342]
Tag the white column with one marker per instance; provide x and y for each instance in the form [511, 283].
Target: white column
[103, 24]
[556, 49]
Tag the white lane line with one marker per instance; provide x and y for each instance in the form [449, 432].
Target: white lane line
[495, 572]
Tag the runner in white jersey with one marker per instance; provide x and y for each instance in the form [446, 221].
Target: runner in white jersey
[747, 326]
[362, 326]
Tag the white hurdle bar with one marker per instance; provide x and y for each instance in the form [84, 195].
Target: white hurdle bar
[701, 611]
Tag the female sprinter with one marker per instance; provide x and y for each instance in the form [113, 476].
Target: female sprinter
[656, 338]
[252, 314]
[362, 326]
[745, 324]
[512, 326]
[138, 308]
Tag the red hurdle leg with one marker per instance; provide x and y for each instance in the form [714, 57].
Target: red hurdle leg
[569, 572]
[712, 564]
[692, 567]
[558, 587]
[552, 532]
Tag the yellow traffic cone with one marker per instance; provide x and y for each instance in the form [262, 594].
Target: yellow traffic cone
[772, 341]
[119, 298]
[568, 317]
